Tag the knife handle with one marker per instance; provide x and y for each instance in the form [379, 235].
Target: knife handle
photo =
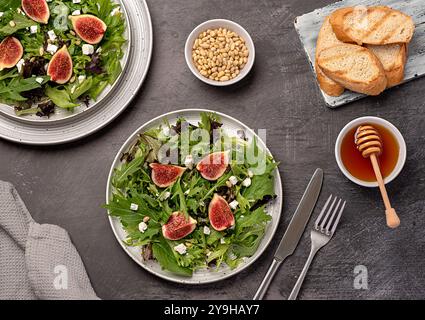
[264, 286]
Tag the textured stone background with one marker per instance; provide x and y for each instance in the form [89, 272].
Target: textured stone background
[65, 185]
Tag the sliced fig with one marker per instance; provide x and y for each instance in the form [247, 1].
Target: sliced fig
[220, 215]
[11, 52]
[88, 27]
[214, 165]
[165, 175]
[178, 226]
[60, 66]
[37, 10]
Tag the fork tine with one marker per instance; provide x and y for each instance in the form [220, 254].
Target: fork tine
[322, 225]
[316, 224]
[328, 225]
[337, 219]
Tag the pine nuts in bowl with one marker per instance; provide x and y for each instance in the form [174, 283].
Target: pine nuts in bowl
[220, 52]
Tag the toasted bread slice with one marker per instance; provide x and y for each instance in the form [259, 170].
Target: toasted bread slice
[354, 67]
[325, 40]
[377, 25]
[393, 59]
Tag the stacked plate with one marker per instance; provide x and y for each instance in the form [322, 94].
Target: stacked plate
[65, 126]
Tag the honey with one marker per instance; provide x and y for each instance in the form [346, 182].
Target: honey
[360, 167]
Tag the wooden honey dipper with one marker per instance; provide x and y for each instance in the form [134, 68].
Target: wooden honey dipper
[369, 143]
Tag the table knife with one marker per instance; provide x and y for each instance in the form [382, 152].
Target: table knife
[294, 231]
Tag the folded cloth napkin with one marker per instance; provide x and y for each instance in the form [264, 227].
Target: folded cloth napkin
[37, 261]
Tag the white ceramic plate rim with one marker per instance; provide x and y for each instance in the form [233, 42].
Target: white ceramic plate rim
[213, 23]
[170, 276]
[393, 129]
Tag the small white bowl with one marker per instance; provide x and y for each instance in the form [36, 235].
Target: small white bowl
[384, 123]
[214, 24]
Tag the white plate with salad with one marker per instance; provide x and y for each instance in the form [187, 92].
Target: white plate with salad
[60, 58]
[194, 196]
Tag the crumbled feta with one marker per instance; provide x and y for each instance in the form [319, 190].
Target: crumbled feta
[165, 130]
[134, 206]
[1, 14]
[187, 192]
[39, 80]
[81, 78]
[188, 161]
[20, 64]
[181, 249]
[33, 29]
[233, 180]
[143, 227]
[88, 49]
[115, 11]
[52, 48]
[76, 13]
[99, 50]
[166, 195]
[250, 173]
[76, 1]
[242, 216]
[246, 182]
[207, 230]
[52, 35]
[222, 241]
[234, 204]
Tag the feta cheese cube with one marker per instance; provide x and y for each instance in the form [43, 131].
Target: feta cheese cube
[33, 29]
[51, 48]
[81, 78]
[207, 230]
[20, 64]
[222, 241]
[76, 1]
[250, 173]
[88, 49]
[181, 249]
[165, 196]
[1, 14]
[233, 180]
[52, 35]
[234, 204]
[246, 182]
[188, 161]
[39, 80]
[76, 13]
[143, 227]
[134, 206]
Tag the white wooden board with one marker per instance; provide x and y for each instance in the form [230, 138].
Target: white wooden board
[308, 26]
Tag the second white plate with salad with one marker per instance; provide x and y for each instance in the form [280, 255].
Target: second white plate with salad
[194, 196]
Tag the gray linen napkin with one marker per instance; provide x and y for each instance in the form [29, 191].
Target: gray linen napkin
[37, 261]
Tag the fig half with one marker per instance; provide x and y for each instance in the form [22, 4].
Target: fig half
[220, 215]
[11, 52]
[88, 27]
[37, 10]
[165, 175]
[178, 226]
[214, 165]
[60, 66]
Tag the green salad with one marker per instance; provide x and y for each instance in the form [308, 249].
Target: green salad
[33, 85]
[188, 213]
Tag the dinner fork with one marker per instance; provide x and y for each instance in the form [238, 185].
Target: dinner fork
[321, 234]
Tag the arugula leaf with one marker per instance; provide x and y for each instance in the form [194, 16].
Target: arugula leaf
[20, 22]
[60, 97]
[166, 258]
[9, 5]
[11, 90]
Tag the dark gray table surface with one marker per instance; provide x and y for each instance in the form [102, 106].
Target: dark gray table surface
[65, 185]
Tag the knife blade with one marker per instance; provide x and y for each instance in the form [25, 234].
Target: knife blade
[294, 231]
[300, 218]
